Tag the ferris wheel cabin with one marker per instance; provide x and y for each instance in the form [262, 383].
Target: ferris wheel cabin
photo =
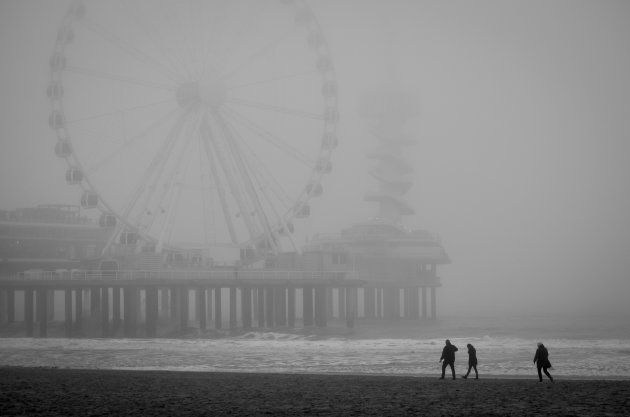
[63, 149]
[89, 200]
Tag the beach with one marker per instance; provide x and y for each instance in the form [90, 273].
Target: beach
[30, 391]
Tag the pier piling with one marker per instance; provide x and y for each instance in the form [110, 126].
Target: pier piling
[133, 308]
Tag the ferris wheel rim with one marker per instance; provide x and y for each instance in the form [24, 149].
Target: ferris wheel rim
[58, 115]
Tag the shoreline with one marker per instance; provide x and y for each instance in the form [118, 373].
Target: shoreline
[436, 375]
[533, 376]
[56, 392]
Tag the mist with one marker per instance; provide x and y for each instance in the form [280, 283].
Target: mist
[522, 161]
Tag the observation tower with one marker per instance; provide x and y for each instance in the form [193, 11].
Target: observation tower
[398, 265]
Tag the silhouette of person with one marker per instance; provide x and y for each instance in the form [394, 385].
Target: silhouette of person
[472, 361]
[541, 359]
[448, 356]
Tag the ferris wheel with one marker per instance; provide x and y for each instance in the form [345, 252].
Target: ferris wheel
[194, 124]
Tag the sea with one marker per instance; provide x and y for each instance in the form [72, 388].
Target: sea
[579, 348]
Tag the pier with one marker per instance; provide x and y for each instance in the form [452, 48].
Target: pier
[160, 303]
[54, 284]
[174, 303]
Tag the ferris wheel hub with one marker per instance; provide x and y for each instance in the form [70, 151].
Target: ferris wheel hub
[197, 94]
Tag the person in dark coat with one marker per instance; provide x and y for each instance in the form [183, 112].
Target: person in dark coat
[541, 359]
[448, 356]
[472, 361]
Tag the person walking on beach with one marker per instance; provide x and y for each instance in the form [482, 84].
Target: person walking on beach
[472, 361]
[541, 359]
[448, 356]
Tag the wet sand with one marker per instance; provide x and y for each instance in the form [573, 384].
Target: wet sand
[66, 392]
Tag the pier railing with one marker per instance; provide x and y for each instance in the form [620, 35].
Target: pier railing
[174, 274]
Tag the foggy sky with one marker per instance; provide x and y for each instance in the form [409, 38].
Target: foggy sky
[522, 162]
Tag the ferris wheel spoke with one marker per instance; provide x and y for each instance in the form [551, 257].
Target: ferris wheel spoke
[208, 54]
[206, 140]
[173, 62]
[234, 178]
[167, 184]
[193, 36]
[120, 78]
[114, 154]
[275, 109]
[244, 31]
[272, 80]
[183, 55]
[263, 177]
[205, 211]
[269, 137]
[280, 219]
[261, 174]
[175, 181]
[262, 52]
[130, 50]
[223, 157]
[119, 111]
[268, 182]
[197, 43]
[245, 175]
[143, 186]
[173, 58]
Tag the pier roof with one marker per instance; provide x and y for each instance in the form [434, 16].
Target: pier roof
[378, 238]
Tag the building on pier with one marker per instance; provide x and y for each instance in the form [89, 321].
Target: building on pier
[398, 267]
[48, 237]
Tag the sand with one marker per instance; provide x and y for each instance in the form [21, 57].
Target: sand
[67, 392]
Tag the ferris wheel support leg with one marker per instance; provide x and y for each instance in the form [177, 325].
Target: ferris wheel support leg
[249, 191]
[150, 179]
[208, 141]
[296, 248]
[106, 249]
[175, 198]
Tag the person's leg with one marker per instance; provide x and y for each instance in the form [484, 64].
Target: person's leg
[547, 373]
[452, 369]
[539, 373]
[444, 369]
[476, 373]
[466, 376]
